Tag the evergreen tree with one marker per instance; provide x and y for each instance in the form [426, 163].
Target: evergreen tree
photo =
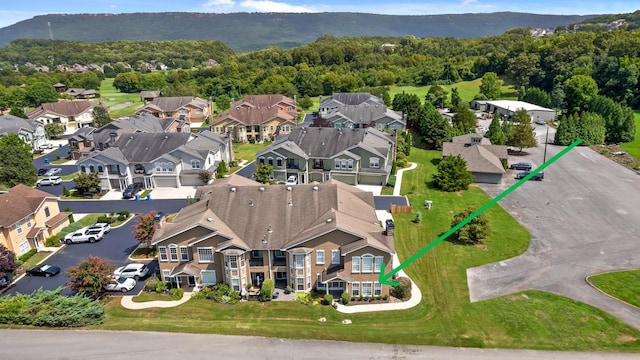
[452, 174]
[474, 231]
[567, 131]
[591, 129]
[466, 119]
[522, 134]
[100, 117]
[495, 134]
[262, 173]
[456, 100]
[434, 129]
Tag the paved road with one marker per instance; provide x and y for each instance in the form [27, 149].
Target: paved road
[248, 170]
[44, 161]
[105, 206]
[116, 246]
[83, 344]
[583, 218]
[57, 189]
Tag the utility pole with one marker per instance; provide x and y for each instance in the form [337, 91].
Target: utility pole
[546, 141]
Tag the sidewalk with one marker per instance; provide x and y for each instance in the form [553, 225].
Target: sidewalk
[156, 193]
[398, 185]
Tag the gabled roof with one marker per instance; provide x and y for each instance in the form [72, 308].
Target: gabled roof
[254, 115]
[279, 217]
[482, 157]
[264, 100]
[149, 94]
[353, 98]
[64, 108]
[319, 142]
[10, 124]
[467, 139]
[19, 202]
[174, 103]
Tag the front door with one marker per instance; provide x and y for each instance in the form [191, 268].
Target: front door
[191, 281]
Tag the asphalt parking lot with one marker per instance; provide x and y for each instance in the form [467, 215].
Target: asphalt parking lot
[115, 246]
[583, 218]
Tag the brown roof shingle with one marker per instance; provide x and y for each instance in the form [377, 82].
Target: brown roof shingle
[19, 202]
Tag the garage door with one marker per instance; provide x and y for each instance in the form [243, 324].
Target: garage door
[347, 179]
[190, 180]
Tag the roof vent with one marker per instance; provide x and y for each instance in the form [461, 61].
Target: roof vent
[290, 203]
[166, 136]
[315, 188]
[289, 188]
[261, 188]
[270, 230]
[329, 220]
[209, 219]
[233, 189]
[250, 202]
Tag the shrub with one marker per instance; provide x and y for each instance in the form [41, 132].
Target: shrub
[176, 294]
[65, 191]
[385, 297]
[418, 218]
[266, 290]
[104, 219]
[151, 283]
[345, 298]
[160, 286]
[121, 218]
[126, 213]
[288, 290]
[52, 241]
[327, 300]
[27, 255]
[403, 290]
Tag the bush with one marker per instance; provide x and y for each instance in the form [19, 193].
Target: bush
[125, 213]
[160, 286]
[403, 290]
[266, 290]
[288, 290]
[27, 255]
[176, 294]
[345, 298]
[385, 297]
[122, 218]
[327, 300]
[104, 219]
[418, 218]
[221, 293]
[151, 283]
[52, 241]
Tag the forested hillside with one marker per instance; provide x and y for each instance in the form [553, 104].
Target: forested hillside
[253, 31]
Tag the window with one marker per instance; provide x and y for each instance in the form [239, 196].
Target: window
[208, 277]
[256, 254]
[279, 254]
[350, 164]
[335, 256]
[377, 289]
[261, 160]
[164, 167]
[374, 163]
[355, 289]
[279, 162]
[343, 164]
[299, 261]
[162, 250]
[166, 275]
[366, 289]
[319, 257]
[184, 253]
[319, 280]
[27, 220]
[47, 212]
[100, 169]
[92, 168]
[173, 252]
[242, 261]
[19, 227]
[355, 264]
[378, 263]
[235, 284]
[24, 247]
[205, 255]
[337, 165]
[83, 168]
[270, 161]
[367, 263]
[233, 261]
[195, 164]
[300, 283]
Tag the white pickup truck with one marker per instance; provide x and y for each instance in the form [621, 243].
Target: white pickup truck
[84, 235]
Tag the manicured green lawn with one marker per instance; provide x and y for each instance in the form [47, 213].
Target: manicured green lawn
[467, 90]
[633, 148]
[35, 259]
[152, 296]
[111, 96]
[622, 285]
[530, 319]
[247, 151]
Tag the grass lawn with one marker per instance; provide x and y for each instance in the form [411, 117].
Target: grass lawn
[531, 319]
[69, 177]
[247, 151]
[467, 90]
[152, 296]
[617, 284]
[111, 96]
[35, 259]
[633, 148]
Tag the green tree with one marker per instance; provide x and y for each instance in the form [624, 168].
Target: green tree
[205, 176]
[434, 129]
[579, 91]
[127, 82]
[100, 117]
[262, 173]
[465, 119]
[522, 135]
[90, 276]
[619, 120]
[221, 170]
[409, 105]
[305, 102]
[145, 228]
[456, 100]
[491, 85]
[437, 96]
[591, 129]
[87, 183]
[494, 133]
[452, 174]
[40, 92]
[7, 262]
[567, 131]
[474, 231]
[223, 102]
[53, 130]
[16, 162]
[537, 96]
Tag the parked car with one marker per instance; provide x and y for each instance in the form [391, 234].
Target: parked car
[540, 122]
[101, 226]
[84, 235]
[43, 270]
[49, 181]
[53, 172]
[120, 284]
[46, 146]
[133, 270]
[42, 171]
[521, 166]
[131, 190]
[538, 176]
[292, 180]
[159, 216]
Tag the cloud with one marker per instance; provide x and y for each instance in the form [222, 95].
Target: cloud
[274, 6]
[216, 3]
[469, 2]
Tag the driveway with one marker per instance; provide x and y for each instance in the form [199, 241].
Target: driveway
[583, 218]
[115, 246]
[106, 206]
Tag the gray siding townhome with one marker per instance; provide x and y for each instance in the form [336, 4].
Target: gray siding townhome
[32, 132]
[359, 110]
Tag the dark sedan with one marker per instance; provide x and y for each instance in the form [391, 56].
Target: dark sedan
[521, 166]
[42, 171]
[43, 270]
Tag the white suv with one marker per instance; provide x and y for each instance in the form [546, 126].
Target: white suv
[84, 235]
[49, 181]
[133, 270]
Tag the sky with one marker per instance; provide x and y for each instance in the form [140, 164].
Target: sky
[12, 12]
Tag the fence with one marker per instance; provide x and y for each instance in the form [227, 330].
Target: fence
[398, 209]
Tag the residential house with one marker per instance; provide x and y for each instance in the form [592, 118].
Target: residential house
[157, 159]
[485, 161]
[184, 108]
[284, 103]
[28, 217]
[247, 122]
[353, 156]
[32, 132]
[322, 237]
[148, 96]
[359, 110]
[88, 139]
[72, 115]
[79, 93]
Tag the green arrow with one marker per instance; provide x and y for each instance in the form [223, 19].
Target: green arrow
[385, 278]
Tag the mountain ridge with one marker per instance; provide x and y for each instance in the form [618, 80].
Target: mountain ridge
[253, 31]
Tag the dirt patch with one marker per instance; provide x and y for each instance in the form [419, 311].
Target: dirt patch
[615, 153]
[627, 338]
